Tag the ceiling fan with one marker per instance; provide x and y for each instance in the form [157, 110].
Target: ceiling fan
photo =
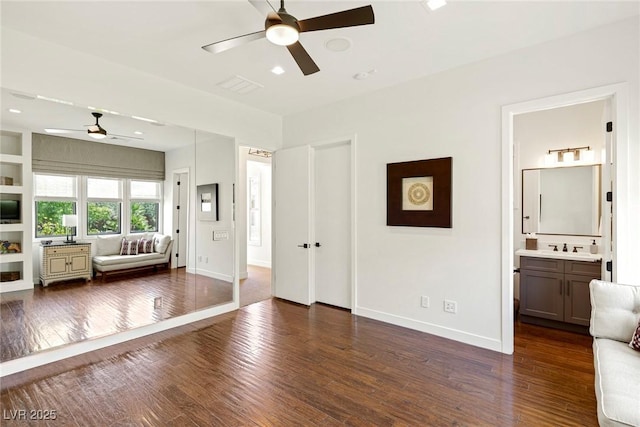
[95, 131]
[284, 29]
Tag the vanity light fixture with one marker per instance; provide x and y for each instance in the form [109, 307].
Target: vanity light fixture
[570, 155]
[260, 153]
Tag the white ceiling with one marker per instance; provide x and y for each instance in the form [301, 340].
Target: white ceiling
[408, 41]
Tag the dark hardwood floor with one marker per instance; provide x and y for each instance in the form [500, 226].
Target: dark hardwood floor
[275, 363]
[68, 312]
[256, 287]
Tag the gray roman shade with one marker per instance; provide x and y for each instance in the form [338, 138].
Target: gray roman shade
[57, 154]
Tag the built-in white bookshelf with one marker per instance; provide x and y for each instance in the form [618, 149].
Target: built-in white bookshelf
[16, 266]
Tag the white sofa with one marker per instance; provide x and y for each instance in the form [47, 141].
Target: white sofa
[615, 310]
[107, 257]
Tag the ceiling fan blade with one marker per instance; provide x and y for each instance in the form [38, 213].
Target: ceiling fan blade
[114, 136]
[263, 6]
[227, 44]
[348, 18]
[303, 59]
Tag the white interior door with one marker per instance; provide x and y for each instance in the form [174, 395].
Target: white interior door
[292, 198]
[332, 203]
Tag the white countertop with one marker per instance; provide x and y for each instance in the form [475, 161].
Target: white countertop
[574, 256]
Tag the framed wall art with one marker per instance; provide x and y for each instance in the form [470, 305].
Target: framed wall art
[208, 202]
[419, 193]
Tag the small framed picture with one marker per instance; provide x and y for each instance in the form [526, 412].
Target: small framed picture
[419, 193]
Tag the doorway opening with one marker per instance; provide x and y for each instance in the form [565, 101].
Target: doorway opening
[257, 194]
[611, 124]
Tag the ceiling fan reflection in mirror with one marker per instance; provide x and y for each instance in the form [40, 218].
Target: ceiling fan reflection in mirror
[284, 29]
[95, 131]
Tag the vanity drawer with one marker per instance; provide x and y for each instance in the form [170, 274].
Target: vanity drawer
[591, 269]
[542, 264]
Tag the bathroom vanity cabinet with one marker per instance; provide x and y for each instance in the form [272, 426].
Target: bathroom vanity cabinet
[555, 292]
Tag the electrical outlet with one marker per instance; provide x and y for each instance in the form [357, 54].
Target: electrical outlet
[450, 306]
[424, 301]
[157, 303]
[199, 258]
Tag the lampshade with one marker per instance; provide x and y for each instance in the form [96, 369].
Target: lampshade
[282, 34]
[70, 220]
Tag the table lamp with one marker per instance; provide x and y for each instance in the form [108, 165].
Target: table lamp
[70, 221]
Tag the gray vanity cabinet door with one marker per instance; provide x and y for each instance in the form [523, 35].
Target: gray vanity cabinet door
[577, 304]
[542, 294]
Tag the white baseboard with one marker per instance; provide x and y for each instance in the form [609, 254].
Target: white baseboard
[212, 274]
[259, 263]
[16, 285]
[71, 350]
[430, 328]
[243, 274]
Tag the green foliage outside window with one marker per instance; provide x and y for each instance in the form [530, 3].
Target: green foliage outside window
[49, 218]
[144, 216]
[103, 218]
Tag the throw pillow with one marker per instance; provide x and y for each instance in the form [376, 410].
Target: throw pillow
[635, 340]
[145, 246]
[129, 247]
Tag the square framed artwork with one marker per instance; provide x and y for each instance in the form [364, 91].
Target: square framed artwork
[419, 193]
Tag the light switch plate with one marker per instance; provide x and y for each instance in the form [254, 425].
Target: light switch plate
[220, 235]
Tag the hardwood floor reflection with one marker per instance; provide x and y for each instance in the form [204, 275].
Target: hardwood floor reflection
[275, 363]
[69, 312]
[256, 287]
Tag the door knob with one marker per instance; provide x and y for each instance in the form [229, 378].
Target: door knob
[305, 245]
[318, 245]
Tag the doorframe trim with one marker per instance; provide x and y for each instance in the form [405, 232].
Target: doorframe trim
[175, 172]
[618, 95]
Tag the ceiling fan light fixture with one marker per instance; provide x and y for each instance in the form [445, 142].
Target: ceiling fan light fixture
[282, 34]
[97, 135]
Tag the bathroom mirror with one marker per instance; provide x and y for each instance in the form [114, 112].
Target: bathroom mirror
[563, 200]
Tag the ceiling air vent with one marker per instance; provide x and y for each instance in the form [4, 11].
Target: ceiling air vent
[240, 85]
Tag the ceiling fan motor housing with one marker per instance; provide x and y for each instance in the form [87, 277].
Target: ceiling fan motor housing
[284, 25]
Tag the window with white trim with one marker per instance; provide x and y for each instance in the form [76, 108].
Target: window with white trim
[54, 196]
[104, 206]
[144, 202]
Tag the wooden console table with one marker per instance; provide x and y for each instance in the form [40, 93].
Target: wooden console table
[64, 261]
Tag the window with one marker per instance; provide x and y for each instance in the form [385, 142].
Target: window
[104, 206]
[54, 195]
[145, 197]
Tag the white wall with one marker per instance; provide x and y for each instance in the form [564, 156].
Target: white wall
[261, 255]
[458, 113]
[211, 160]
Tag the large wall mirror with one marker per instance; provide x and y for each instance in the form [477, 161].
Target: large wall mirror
[564, 200]
[202, 258]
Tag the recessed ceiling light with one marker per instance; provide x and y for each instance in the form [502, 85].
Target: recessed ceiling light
[339, 44]
[436, 4]
[277, 70]
[59, 101]
[13, 110]
[144, 119]
[137, 132]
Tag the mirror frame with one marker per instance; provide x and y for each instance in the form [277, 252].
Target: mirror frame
[600, 211]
